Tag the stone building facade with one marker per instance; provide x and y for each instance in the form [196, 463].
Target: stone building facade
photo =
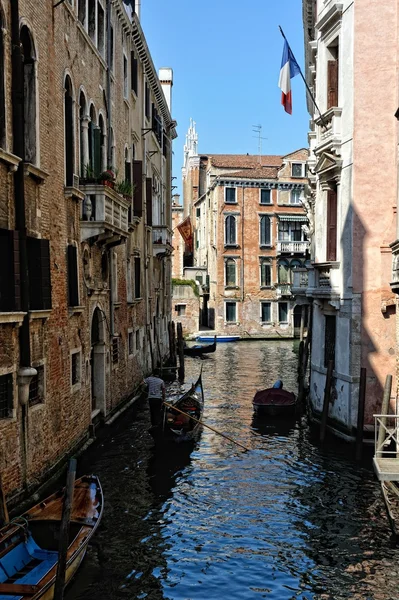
[353, 140]
[85, 224]
[248, 238]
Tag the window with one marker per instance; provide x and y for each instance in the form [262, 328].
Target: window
[230, 231]
[298, 169]
[100, 30]
[332, 225]
[10, 289]
[265, 312]
[137, 340]
[230, 195]
[103, 143]
[332, 75]
[295, 197]
[231, 312]
[230, 272]
[82, 11]
[69, 132]
[130, 343]
[2, 89]
[198, 212]
[138, 188]
[290, 231]
[265, 196]
[6, 396]
[329, 339]
[73, 282]
[76, 373]
[29, 81]
[39, 273]
[92, 20]
[283, 272]
[137, 277]
[265, 273]
[36, 387]
[283, 312]
[265, 239]
[147, 101]
[115, 350]
[180, 309]
[125, 77]
[134, 76]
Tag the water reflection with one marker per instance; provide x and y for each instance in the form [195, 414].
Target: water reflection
[286, 520]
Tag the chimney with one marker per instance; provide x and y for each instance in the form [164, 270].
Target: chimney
[176, 200]
[166, 79]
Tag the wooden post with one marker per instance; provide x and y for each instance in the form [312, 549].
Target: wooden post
[326, 403]
[302, 328]
[4, 518]
[180, 347]
[300, 371]
[64, 531]
[360, 413]
[384, 411]
[173, 343]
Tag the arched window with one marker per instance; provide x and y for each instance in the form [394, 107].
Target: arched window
[283, 271]
[265, 238]
[128, 166]
[295, 264]
[2, 92]
[265, 273]
[29, 79]
[83, 135]
[94, 144]
[92, 124]
[103, 143]
[230, 231]
[69, 133]
[230, 272]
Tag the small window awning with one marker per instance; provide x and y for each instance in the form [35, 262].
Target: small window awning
[292, 217]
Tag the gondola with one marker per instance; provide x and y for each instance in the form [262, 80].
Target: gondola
[199, 350]
[274, 402]
[29, 544]
[390, 493]
[178, 427]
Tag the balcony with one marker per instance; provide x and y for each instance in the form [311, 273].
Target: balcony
[326, 280]
[161, 240]
[104, 211]
[329, 133]
[283, 290]
[292, 247]
[300, 281]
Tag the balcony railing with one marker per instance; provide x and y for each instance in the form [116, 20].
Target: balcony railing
[103, 210]
[329, 129]
[326, 280]
[283, 289]
[292, 247]
[161, 240]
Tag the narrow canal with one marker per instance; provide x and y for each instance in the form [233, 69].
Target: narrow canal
[286, 520]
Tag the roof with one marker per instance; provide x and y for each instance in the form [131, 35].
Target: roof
[244, 161]
[259, 173]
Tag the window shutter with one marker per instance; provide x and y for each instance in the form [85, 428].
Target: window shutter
[10, 285]
[73, 290]
[97, 151]
[138, 188]
[128, 171]
[45, 274]
[134, 72]
[39, 273]
[332, 83]
[148, 199]
[137, 277]
[331, 225]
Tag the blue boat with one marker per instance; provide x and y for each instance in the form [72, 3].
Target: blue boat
[219, 338]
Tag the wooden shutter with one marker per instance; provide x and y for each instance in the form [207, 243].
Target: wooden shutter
[10, 279]
[128, 171]
[73, 289]
[332, 83]
[148, 199]
[137, 277]
[134, 72]
[39, 274]
[331, 225]
[138, 188]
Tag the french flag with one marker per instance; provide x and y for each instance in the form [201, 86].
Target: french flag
[289, 68]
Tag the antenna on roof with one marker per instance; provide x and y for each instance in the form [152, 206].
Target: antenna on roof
[258, 130]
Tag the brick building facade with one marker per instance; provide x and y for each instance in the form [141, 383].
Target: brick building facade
[85, 224]
[247, 222]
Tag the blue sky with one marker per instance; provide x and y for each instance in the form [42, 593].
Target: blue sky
[226, 58]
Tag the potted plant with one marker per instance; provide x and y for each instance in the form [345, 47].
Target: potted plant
[108, 178]
[125, 188]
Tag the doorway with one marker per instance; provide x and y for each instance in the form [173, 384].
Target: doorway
[97, 364]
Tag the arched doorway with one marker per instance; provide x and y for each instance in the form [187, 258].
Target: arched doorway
[297, 320]
[97, 363]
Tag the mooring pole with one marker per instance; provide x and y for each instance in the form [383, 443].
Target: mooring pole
[301, 375]
[64, 531]
[360, 413]
[326, 403]
[180, 347]
[384, 411]
[4, 518]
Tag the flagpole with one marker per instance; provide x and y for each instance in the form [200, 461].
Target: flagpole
[304, 80]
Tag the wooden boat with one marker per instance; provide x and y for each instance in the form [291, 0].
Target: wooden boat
[177, 427]
[198, 350]
[29, 544]
[390, 493]
[275, 402]
[219, 338]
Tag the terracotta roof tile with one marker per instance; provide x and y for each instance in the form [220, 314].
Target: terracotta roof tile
[244, 161]
[259, 173]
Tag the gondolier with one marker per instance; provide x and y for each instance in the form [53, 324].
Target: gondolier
[156, 396]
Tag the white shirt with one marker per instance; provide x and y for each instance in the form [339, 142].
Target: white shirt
[155, 387]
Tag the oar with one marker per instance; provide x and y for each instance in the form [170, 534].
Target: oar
[205, 425]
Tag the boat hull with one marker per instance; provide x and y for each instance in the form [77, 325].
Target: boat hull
[219, 338]
[200, 350]
[275, 402]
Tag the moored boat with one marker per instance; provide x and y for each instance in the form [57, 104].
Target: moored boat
[275, 402]
[390, 493]
[29, 544]
[198, 350]
[219, 338]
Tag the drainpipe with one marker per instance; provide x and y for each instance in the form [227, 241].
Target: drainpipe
[25, 372]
